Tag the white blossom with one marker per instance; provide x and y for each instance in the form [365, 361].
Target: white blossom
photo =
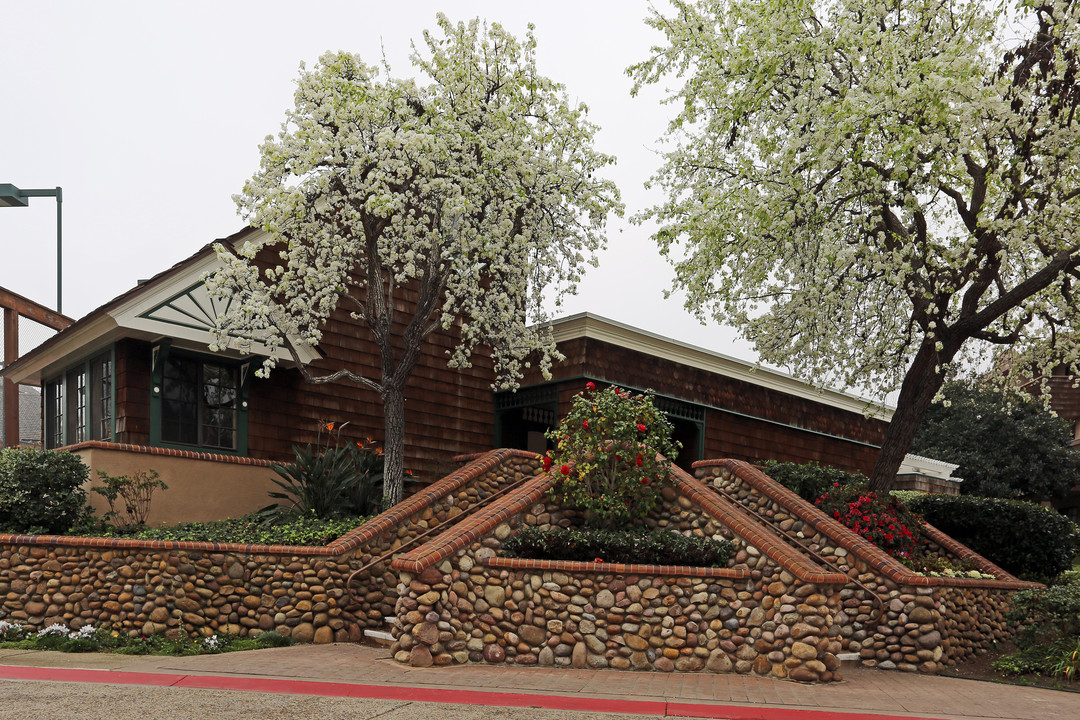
[877, 192]
[477, 190]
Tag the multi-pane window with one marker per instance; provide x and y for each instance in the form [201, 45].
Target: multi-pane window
[101, 379]
[54, 413]
[76, 410]
[79, 403]
[198, 403]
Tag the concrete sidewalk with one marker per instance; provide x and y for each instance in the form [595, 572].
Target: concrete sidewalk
[365, 672]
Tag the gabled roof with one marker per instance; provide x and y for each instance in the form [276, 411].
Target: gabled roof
[172, 304]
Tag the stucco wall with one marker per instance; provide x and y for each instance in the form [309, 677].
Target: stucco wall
[201, 486]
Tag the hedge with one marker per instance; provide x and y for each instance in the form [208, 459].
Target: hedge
[1031, 541]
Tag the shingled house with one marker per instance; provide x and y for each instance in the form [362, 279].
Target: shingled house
[132, 386]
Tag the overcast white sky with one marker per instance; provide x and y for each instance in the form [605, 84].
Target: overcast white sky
[149, 116]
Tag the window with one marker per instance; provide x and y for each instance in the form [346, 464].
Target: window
[54, 413]
[79, 403]
[101, 381]
[199, 403]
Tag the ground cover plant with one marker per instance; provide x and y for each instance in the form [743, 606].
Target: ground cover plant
[90, 639]
[254, 529]
[1049, 640]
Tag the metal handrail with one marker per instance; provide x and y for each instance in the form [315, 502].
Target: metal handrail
[349, 583]
[794, 542]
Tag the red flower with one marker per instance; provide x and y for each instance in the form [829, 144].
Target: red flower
[642, 428]
[565, 469]
[590, 386]
[640, 460]
[598, 559]
[644, 481]
[547, 463]
[585, 424]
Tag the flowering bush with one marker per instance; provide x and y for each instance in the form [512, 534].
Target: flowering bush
[884, 522]
[610, 457]
[59, 637]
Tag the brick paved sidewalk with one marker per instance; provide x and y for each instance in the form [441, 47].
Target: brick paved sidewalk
[864, 692]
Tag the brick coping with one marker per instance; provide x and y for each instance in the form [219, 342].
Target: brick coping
[874, 556]
[387, 520]
[484, 522]
[167, 452]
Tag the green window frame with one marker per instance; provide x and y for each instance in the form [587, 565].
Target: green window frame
[198, 402]
[80, 402]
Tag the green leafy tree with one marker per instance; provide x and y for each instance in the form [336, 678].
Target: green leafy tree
[468, 199]
[1006, 445]
[875, 191]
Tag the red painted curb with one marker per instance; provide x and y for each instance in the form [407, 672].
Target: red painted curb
[435, 695]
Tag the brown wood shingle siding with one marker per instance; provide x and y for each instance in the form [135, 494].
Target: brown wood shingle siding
[727, 434]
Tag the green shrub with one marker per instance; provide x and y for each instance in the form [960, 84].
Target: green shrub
[610, 457]
[1028, 540]
[129, 496]
[618, 546]
[810, 480]
[40, 490]
[257, 529]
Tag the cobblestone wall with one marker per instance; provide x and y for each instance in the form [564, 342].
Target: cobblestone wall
[205, 588]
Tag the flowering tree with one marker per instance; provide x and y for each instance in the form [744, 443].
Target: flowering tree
[875, 191]
[462, 200]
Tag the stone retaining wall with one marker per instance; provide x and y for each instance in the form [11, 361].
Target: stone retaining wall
[204, 588]
[891, 617]
[770, 611]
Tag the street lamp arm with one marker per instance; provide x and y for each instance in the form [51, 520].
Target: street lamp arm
[11, 196]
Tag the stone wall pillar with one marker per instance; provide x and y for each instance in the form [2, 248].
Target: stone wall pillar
[423, 634]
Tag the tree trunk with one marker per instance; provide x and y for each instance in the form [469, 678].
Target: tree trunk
[394, 461]
[921, 383]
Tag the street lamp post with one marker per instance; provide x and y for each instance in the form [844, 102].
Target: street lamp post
[11, 196]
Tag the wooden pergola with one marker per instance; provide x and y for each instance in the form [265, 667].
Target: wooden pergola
[16, 306]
